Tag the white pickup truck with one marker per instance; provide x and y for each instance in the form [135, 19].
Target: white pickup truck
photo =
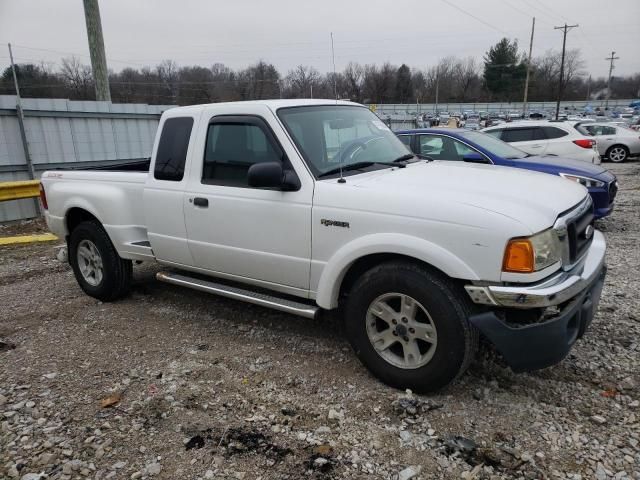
[309, 205]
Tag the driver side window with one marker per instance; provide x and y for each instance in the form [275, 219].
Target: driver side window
[232, 148]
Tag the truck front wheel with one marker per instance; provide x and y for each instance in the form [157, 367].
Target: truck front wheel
[98, 268]
[408, 325]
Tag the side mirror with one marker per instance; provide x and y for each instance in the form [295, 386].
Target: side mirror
[475, 157]
[272, 175]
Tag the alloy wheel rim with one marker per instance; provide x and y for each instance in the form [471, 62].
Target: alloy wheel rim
[90, 263]
[401, 330]
[617, 155]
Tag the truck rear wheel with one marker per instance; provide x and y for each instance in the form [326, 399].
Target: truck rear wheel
[98, 268]
[408, 325]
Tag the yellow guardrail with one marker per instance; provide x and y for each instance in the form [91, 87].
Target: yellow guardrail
[40, 237]
[17, 190]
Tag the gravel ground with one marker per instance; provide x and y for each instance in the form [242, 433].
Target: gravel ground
[172, 383]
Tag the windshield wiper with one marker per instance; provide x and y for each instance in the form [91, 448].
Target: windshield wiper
[358, 165]
[404, 158]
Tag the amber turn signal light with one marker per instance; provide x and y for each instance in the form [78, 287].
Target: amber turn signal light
[518, 256]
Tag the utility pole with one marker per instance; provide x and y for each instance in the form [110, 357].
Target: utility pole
[611, 59]
[566, 28]
[23, 131]
[588, 88]
[437, 87]
[96, 49]
[526, 81]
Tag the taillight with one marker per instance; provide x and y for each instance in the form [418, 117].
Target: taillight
[585, 143]
[43, 198]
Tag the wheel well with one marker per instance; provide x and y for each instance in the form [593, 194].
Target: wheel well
[618, 145]
[75, 217]
[361, 265]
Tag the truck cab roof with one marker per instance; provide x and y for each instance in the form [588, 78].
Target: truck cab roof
[271, 104]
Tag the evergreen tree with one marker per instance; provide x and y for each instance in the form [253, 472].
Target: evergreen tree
[504, 70]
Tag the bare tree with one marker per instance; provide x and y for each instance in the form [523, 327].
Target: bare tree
[379, 83]
[458, 80]
[353, 77]
[224, 83]
[77, 78]
[168, 74]
[301, 81]
[259, 81]
[195, 85]
[466, 76]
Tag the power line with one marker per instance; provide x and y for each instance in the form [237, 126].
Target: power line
[543, 11]
[513, 7]
[546, 7]
[474, 17]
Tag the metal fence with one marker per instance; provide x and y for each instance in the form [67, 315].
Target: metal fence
[63, 132]
[416, 108]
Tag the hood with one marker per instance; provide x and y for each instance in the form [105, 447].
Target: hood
[533, 199]
[546, 163]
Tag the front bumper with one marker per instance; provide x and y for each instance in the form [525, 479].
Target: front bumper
[553, 291]
[604, 198]
[533, 346]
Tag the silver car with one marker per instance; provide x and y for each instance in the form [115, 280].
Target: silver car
[615, 142]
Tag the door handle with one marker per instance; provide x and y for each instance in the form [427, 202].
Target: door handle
[201, 202]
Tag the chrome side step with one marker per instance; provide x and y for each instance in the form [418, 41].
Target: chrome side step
[264, 300]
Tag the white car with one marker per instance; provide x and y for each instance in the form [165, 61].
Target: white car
[310, 205]
[615, 142]
[548, 138]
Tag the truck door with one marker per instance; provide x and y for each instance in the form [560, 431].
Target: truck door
[253, 234]
[164, 190]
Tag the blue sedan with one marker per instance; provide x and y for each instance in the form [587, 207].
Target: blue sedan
[478, 147]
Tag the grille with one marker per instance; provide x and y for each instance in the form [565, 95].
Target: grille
[613, 190]
[580, 236]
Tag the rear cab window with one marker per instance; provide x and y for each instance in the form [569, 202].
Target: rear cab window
[172, 149]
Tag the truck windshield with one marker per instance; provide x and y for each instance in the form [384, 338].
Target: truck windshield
[332, 135]
[493, 145]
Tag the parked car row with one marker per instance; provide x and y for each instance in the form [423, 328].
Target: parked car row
[479, 147]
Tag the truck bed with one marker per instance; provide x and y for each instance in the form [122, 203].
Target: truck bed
[114, 195]
[141, 165]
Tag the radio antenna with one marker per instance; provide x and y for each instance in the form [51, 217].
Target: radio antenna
[335, 80]
[335, 93]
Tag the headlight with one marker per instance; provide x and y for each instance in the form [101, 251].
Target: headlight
[585, 181]
[531, 254]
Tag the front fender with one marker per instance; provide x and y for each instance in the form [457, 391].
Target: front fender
[335, 269]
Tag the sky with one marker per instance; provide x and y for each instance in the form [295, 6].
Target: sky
[288, 33]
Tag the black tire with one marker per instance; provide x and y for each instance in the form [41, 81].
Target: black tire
[446, 304]
[116, 272]
[621, 151]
